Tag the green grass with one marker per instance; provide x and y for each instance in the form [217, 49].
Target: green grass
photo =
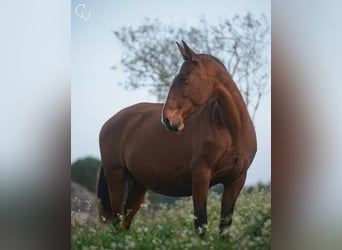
[173, 228]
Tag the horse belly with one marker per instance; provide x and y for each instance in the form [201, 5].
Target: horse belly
[171, 184]
[161, 170]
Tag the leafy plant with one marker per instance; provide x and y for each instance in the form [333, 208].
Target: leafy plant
[172, 228]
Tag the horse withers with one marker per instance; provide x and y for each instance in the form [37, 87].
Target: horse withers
[202, 136]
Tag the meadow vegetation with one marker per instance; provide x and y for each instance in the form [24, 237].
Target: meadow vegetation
[171, 226]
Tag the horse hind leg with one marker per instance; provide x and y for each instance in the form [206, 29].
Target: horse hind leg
[229, 197]
[104, 207]
[135, 198]
[116, 178]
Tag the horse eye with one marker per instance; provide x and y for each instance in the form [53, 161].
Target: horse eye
[183, 79]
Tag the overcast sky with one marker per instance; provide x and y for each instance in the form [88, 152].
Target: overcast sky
[95, 94]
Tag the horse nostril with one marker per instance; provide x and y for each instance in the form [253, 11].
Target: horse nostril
[166, 122]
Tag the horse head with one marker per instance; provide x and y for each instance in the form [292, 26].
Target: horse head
[191, 89]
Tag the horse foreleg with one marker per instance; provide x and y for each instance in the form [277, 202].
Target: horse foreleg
[134, 199]
[230, 193]
[200, 187]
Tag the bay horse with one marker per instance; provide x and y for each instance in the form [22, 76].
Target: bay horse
[208, 138]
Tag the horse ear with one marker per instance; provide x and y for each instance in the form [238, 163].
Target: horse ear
[182, 51]
[187, 53]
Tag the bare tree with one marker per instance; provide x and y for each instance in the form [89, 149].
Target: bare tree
[242, 43]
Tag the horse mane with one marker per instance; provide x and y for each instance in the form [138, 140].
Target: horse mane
[231, 96]
[215, 59]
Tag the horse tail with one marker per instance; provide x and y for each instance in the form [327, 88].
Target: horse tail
[104, 207]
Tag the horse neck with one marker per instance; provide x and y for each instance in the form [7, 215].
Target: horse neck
[232, 111]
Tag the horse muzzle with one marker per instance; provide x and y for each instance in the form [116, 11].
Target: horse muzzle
[176, 126]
